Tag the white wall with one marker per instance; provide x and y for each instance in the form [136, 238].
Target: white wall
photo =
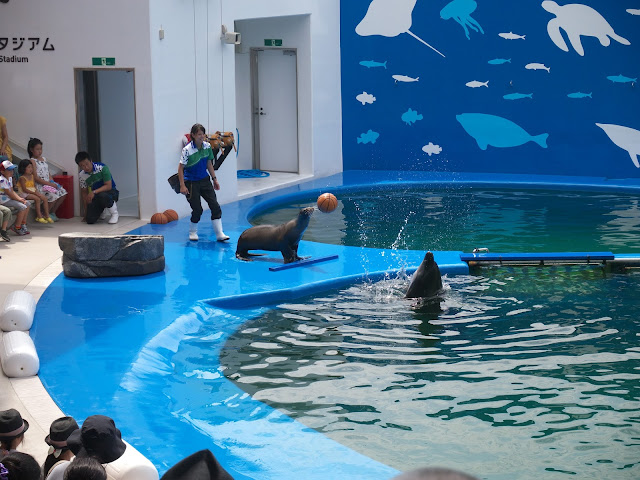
[118, 129]
[187, 77]
[38, 97]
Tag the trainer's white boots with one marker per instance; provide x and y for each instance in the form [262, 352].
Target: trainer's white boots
[217, 228]
[113, 210]
[193, 232]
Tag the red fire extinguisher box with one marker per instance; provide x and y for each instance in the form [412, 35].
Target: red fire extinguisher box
[66, 209]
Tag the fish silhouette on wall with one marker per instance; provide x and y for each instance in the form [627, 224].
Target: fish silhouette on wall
[369, 137]
[431, 149]
[579, 95]
[497, 131]
[511, 36]
[365, 98]
[373, 64]
[499, 61]
[517, 96]
[621, 79]
[624, 137]
[404, 78]
[460, 11]
[389, 18]
[476, 84]
[578, 20]
[537, 66]
[411, 116]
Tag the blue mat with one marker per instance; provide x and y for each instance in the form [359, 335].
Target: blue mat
[252, 173]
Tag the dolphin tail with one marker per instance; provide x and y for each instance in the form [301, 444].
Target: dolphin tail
[541, 139]
[620, 39]
[634, 159]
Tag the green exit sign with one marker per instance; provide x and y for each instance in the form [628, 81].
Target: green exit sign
[272, 42]
[103, 61]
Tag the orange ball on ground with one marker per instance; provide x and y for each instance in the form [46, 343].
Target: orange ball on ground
[171, 215]
[159, 218]
[327, 202]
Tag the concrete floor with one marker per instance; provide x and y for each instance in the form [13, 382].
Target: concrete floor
[30, 263]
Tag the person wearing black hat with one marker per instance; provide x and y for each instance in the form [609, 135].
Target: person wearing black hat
[98, 438]
[59, 451]
[201, 465]
[12, 428]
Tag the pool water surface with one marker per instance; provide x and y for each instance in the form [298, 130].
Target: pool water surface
[463, 218]
[542, 360]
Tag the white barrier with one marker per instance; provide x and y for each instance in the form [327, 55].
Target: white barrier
[17, 311]
[132, 465]
[18, 355]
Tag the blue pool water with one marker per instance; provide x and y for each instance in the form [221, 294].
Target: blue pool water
[120, 346]
[453, 217]
[530, 359]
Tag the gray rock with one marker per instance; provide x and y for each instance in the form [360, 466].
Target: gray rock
[90, 255]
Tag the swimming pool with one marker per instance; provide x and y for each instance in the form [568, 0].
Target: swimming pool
[124, 358]
[462, 217]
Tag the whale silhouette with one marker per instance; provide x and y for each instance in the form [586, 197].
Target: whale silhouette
[577, 20]
[497, 131]
[624, 137]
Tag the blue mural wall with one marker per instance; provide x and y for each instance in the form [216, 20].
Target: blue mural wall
[531, 87]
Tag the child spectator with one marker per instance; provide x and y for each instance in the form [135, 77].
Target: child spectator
[59, 451]
[12, 428]
[19, 466]
[98, 189]
[85, 469]
[27, 190]
[9, 198]
[5, 218]
[45, 185]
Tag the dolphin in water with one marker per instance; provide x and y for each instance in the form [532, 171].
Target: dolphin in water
[497, 131]
[624, 137]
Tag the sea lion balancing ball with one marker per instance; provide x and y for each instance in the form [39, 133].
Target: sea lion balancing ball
[327, 202]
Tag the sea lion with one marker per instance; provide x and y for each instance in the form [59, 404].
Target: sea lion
[282, 238]
[426, 282]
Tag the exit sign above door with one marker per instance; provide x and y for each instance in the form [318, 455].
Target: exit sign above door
[272, 42]
[104, 61]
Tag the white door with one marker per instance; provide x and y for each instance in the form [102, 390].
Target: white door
[276, 111]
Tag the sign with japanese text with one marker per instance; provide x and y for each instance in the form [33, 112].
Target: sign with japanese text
[17, 46]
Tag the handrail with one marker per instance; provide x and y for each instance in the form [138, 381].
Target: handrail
[20, 151]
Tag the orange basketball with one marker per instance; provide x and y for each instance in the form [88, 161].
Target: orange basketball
[171, 215]
[159, 218]
[327, 202]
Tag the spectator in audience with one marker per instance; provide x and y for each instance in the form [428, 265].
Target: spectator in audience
[19, 466]
[27, 190]
[98, 438]
[59, 451]
[5, 148]
[5, 219]
[98, 189]
[9, 198]
[433, 474]
[54, 192]
[201, 465]
[85, 469]
[12, 428]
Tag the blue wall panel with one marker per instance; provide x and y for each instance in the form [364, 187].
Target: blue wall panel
[507, 99]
